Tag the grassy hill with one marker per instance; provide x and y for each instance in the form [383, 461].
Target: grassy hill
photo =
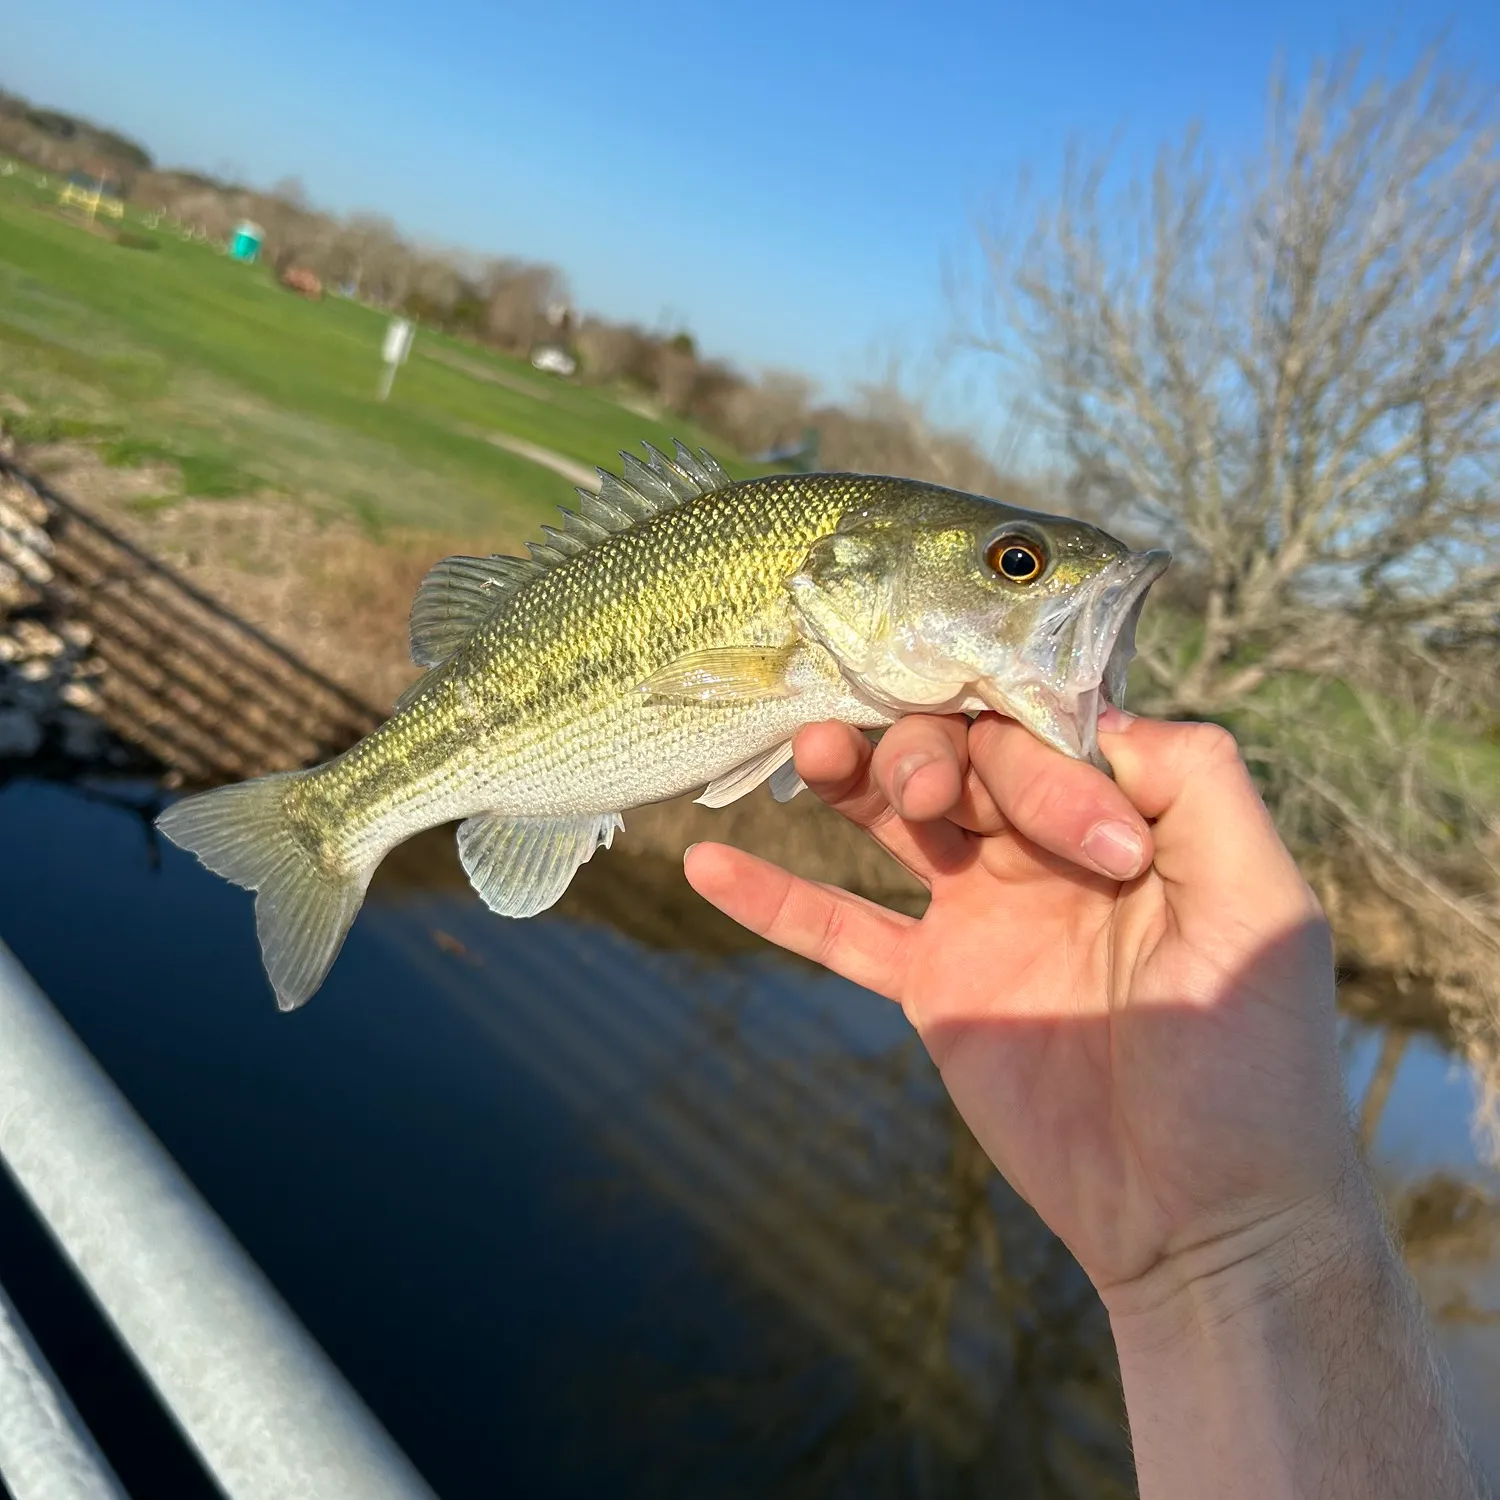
[154, 348]
[157, 349]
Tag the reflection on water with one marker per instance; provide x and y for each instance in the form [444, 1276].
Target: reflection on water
[616, 1200]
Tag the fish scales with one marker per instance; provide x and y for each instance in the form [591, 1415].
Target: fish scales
[540, 712]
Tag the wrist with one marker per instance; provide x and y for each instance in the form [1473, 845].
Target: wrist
[1335, 1241]
[1290, 1356]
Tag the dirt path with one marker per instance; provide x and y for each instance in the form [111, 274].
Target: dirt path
[572, 471]
[476, 371]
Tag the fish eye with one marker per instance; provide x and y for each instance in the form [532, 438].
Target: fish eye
[1017, 558]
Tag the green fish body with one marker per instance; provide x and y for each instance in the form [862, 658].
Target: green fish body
[675, 634]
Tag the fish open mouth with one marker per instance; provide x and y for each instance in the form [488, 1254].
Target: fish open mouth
[1117, 612]
[1077, 658]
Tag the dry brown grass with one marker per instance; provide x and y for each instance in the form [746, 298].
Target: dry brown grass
[329, 591]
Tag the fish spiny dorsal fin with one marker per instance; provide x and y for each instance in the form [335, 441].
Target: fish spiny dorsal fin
[544, 556]
[602, 513]
[564, 541]
[702, 468]
[642, 490]
[459, 594]
[584, 531]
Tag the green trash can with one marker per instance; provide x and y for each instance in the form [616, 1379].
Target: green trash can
[246, 241]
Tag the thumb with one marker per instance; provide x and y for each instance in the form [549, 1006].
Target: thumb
[1215, 841]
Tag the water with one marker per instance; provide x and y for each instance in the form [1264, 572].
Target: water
[585, 1210]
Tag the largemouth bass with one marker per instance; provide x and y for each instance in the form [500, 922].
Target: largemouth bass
[674, 634]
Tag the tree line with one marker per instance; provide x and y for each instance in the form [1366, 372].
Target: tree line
[513, 305]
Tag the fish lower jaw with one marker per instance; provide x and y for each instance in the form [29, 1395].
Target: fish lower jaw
[1068, 721]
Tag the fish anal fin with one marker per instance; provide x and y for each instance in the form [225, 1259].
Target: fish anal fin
[724, 674]
[521, 866]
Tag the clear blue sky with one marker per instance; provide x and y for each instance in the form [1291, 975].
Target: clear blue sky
[786, 178]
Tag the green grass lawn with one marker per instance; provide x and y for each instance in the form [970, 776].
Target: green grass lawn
[175, 352]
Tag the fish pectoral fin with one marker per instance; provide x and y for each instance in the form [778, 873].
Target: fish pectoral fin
[724, 674]
[733, 785]
[786, 783]
[521, 866]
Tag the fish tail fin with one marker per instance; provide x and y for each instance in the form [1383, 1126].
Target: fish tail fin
[302, 911]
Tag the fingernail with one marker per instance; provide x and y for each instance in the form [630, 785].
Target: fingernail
[1115, 849]
[1113, 720]
[905, 770]
[689, 850]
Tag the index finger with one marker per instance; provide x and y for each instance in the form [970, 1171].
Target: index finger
[836, 761]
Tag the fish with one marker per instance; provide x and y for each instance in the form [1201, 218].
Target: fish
[674, 634]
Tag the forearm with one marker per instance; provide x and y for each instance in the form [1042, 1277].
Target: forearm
[1293, 1361]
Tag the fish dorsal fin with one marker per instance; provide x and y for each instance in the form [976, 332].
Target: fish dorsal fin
[456, 597]
[459, 594]
[642, 490]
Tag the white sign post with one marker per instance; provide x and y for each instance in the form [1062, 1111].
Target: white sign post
[398, 337]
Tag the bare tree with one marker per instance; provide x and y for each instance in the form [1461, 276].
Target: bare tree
[1294, 378]
[614, 352]
[891, 431]
[436, 287]
[1291, 375]
[517, 295]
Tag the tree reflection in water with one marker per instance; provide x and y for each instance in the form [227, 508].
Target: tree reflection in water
[940, 1341]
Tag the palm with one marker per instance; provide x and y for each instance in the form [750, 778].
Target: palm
[1131, 1057]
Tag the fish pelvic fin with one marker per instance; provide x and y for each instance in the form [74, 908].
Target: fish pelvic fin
[302, 910]
[521, 866]
[744, 779]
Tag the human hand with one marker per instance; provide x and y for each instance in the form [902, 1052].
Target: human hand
[1144, 1047]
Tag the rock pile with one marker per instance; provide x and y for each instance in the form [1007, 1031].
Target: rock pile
[49, 699]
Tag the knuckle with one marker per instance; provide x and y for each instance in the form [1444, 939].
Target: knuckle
[1212, 745]
[1033, 801]
[780, 923]
[830, 934]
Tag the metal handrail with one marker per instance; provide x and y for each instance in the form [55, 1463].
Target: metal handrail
[266, 1410]
[46, 1453]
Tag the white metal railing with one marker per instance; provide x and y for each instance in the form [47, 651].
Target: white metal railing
[265, 1409]
[46, 1452]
